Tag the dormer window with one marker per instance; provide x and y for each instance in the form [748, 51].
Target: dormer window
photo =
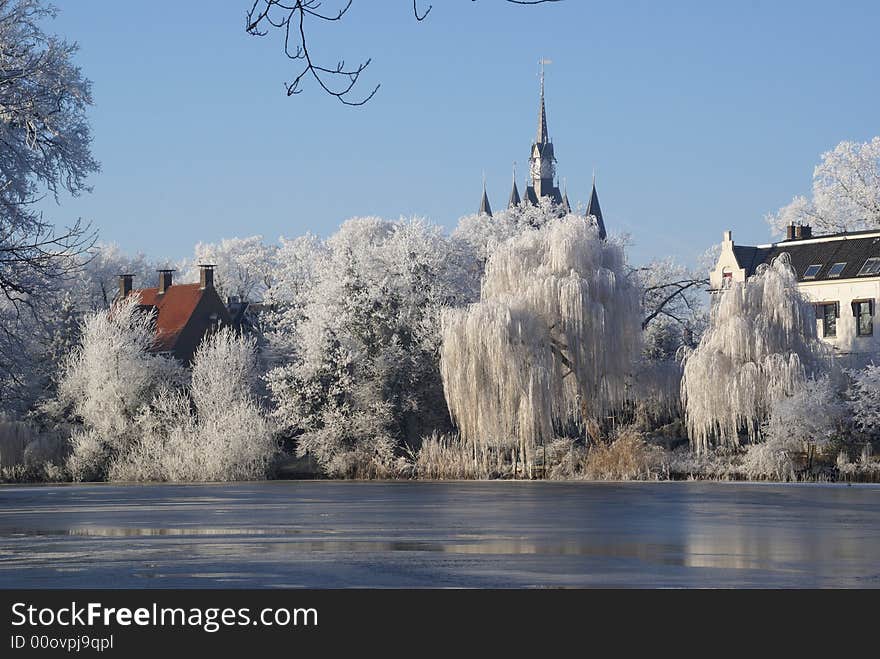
[836, 269]
[871, 267]
[812, 271]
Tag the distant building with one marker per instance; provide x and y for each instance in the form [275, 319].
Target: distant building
[542, 177]
[839, 273]
[184, 312]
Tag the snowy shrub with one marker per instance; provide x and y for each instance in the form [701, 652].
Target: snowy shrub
[550, 343]
[864, 399]
[215, 432]
[106, 381]
[811, 417]
[351, 442]
[760, 346]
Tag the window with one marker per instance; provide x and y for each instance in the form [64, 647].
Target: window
[812, 271]
[828, 312]
[726, 278]
[863, 312]
[836, 269]
[871, 267]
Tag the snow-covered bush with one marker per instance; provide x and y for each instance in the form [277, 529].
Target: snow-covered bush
[760, 346]
[864, 399]
[106, 381]
[215, 432]
[550, 343]
[798, 424]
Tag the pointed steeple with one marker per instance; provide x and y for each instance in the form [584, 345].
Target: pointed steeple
[542, 136]
[565, 205]
[514, 193]
[595, 210]
[485, 208]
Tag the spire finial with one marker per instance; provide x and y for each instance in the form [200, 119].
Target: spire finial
[594, 177]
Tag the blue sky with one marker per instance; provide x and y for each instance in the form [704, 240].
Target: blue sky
[698, 116]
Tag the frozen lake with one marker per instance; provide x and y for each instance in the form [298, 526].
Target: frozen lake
[474, 534]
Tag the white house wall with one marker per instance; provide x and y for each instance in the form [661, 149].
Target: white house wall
[845, 291]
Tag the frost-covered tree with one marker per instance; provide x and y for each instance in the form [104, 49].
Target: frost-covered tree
[846, 192]
[361, 372]
[760, 346]
[95, 285]
[549, 344]
[46, 150]
[245, 266]
[483, 234]
[864, 399]
[110, 376]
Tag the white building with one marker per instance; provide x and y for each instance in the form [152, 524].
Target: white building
[839, 273]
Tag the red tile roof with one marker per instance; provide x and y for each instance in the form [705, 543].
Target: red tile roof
[175, 307]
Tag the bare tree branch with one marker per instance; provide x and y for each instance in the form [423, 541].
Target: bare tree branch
[291, 16]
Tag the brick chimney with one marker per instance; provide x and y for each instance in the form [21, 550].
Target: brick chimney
[790, 231]
[206, 276]
[802, 232]
[164, 280]
[125, 284]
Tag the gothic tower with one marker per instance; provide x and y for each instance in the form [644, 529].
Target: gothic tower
[542, 161]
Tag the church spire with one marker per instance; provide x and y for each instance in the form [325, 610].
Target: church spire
[595, 210]
[485, 208]
[542, 136]
[514, 193]
[565, 205]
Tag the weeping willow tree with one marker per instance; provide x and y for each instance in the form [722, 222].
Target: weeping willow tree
[549, 344]
[760, 347]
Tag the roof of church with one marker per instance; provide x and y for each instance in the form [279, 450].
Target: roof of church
[852, 249]
[485, 208]
[514, 197]
[554, 194]
[593, 208]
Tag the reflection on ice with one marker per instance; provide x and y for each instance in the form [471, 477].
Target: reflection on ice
[334, 534]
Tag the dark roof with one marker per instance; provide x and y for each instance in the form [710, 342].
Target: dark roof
[175, 307]
[554, 194]
[485, 208]
[565, 204]
[514, 197]
[851, 248]
[593, 208]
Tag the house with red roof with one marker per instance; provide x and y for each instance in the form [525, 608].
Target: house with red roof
[184, 312]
